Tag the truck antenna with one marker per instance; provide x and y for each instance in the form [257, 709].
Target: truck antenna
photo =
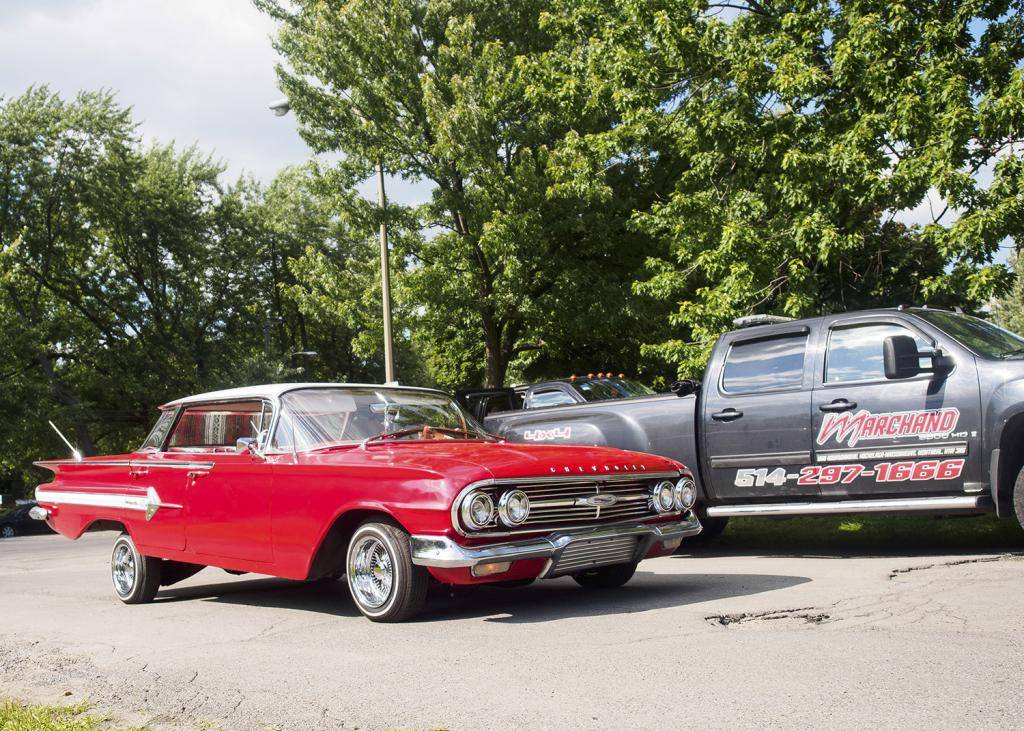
[75, 454]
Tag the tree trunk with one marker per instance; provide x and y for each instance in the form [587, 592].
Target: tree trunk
[64, 396]
[494, 362]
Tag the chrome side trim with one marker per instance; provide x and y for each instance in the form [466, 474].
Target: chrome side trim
[149, 503]
[169, 463]
[582, 479]
[966, 502]
[761, 460]
[443, 552]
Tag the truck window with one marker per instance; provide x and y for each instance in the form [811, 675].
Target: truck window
[767, 364]
[981, 336]
[855, 352]
[554, 397]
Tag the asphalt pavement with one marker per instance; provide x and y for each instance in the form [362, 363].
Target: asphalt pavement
[740, 638]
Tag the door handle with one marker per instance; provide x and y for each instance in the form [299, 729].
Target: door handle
[727, 415]
[195, 475]
[840, 404]
[137, 472]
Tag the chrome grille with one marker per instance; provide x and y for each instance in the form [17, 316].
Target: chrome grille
[583, 555]
[560, 504]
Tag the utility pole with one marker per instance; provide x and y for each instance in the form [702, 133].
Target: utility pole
[385, 278]
[280, 108]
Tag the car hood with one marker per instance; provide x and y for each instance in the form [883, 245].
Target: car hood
[462, 462]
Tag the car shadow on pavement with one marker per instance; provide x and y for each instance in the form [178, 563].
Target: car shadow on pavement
[322, 597]
[543, 601]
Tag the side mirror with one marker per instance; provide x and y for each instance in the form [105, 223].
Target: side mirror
[245, 444]
[684, 387]
[902, 359]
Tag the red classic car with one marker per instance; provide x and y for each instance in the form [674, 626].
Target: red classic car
[389, 486]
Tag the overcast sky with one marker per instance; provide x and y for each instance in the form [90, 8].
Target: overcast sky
[194, 71]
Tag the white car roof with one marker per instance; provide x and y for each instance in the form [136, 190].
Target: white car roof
[272, 391]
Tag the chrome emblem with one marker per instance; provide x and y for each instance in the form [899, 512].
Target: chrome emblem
[596, 501]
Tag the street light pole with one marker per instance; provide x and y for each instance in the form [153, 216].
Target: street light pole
[281, 108]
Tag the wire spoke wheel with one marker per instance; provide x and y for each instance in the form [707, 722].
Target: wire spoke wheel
[123, 569]
[372, 572]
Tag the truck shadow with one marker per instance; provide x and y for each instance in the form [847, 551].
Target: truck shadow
[543, 601]
[859, 536]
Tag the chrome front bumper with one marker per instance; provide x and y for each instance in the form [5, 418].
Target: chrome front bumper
[443, 552]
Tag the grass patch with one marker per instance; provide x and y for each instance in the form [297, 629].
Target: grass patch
[15, 716]
[872, 534]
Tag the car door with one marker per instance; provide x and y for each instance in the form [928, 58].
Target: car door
[228, 489]
[756, 417]
[875, 436]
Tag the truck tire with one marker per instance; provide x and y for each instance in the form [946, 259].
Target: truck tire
[136, 577]
[386, 585]
[605, 577]
[711, 529]
[1018, 498]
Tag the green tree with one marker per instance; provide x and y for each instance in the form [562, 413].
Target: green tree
[787, 137]
[514, 271]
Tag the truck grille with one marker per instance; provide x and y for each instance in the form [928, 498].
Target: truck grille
[583, 555]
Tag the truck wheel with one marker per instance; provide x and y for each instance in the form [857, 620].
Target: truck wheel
[711, 529]
[1018, 498]
[605, 577]
[136, 577]
[385, 584]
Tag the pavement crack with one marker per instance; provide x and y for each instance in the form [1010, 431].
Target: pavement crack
[803, 615]
[958, 562]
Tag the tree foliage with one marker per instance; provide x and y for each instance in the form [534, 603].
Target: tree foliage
[788, 136]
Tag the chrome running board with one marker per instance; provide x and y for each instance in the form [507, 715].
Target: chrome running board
[894, 505]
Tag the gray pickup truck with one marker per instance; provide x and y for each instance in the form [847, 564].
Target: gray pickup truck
[891, 410]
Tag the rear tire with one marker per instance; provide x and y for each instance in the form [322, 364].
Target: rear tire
[605, 577]
[8, 531]
[385, 584]
[136, 577]
[1018, 498]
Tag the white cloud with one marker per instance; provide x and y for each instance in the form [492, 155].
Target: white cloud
[194, 71]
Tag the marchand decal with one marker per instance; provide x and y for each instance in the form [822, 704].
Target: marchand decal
[854, 428]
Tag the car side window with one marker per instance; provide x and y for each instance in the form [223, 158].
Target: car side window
[854, 352]
[552, 397]
[765, 364]
[217, 427]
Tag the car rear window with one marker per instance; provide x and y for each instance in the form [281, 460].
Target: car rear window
[766, 364]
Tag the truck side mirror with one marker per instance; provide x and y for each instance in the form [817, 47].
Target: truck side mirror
[684, 387]
[902, 359]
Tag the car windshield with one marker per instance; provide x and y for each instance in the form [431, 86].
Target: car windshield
[603, 389]
[981, 336]
[318, 418]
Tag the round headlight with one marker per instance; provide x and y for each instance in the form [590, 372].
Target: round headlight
[477, 510]
[685, 493]
[514, 508]
[664, 496]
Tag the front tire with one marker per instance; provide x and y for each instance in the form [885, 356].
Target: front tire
[136, 577]
[8, 531]
[605, 577]
[385, 584]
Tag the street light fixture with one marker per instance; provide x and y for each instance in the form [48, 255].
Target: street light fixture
[280, 108]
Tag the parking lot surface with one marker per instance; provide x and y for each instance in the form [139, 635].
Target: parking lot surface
[719, 638]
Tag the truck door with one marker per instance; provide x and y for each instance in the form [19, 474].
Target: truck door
[757, 416]
[875, 436]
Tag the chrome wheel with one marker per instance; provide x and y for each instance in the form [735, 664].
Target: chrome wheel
[122, 566]
[371, 572]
